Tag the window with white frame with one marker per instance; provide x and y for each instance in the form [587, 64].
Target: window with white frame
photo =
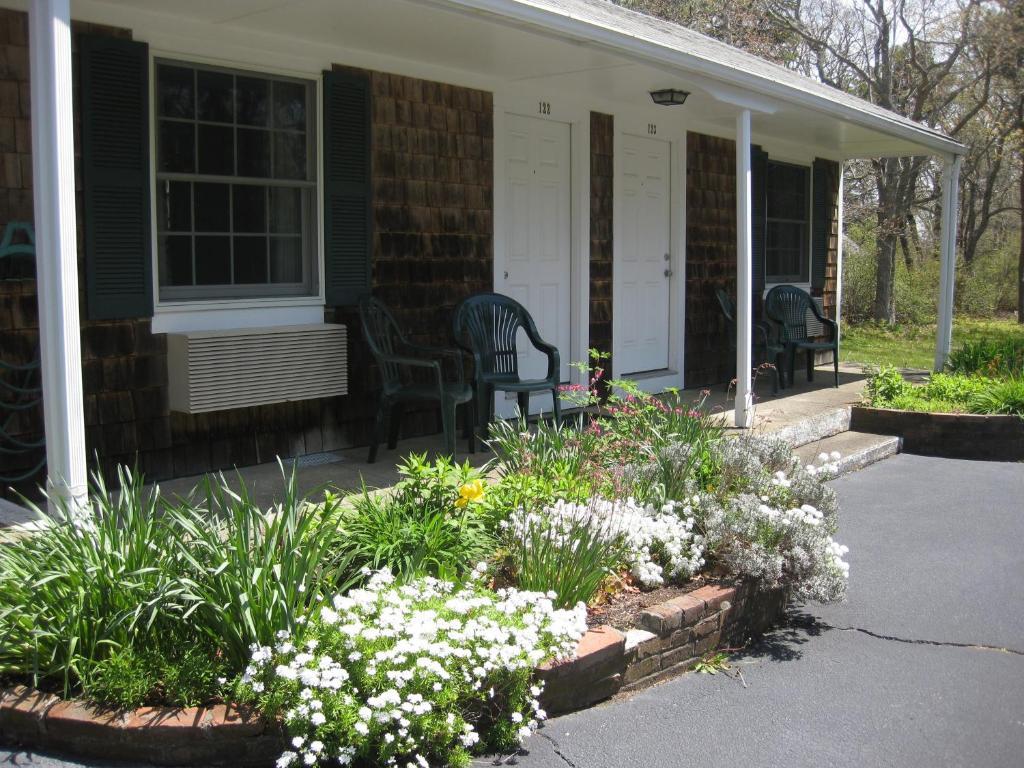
[235, 183]
[787, 235]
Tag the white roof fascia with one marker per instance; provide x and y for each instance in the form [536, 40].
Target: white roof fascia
[521, 12]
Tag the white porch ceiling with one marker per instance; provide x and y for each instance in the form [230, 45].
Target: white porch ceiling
[476, 49]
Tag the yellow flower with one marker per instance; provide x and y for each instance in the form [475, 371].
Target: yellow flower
[471, 491]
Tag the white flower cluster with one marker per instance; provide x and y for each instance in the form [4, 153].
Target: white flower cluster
[391, 670]
[659, 542]
[836, 552]
[827, 466]
[805, 514]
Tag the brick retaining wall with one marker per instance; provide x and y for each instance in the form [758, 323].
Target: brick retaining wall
[674, 637]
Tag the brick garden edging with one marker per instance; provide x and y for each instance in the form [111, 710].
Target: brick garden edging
[221, 734]
[950, 435]
[676, 634]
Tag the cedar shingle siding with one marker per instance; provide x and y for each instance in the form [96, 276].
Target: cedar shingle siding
[433, 216]
[710, 255]
[602, 140]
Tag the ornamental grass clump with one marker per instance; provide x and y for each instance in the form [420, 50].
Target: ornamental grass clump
[420, 674]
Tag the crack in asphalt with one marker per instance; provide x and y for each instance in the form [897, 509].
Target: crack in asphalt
[557, 750]
[943, 643]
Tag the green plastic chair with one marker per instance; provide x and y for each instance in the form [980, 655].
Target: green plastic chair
[487, 326]
[767, 348]
[412, 373]
[788, 305]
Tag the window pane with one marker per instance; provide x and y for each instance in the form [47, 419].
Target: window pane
[213, 260]
[286, 259]
[174, 206]
[175, 92]
[289, 105]
[787, 191]
[176, 251]
[289, 155]
[249, 211]
[214, 96]
[212, 209]
[250, 259]
[253, 153]
[253, 98]
[177, 147]
[216, 150]
[286, 210]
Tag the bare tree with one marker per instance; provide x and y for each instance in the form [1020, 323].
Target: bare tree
[915, 58]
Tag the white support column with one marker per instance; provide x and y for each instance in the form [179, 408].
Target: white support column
[947, 257]
[53, 182]
[839, 250]
[744, 409]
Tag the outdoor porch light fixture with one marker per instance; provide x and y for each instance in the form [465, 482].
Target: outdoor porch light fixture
[669, 97]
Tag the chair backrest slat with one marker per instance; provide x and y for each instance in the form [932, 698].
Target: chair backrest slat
[788, 306]
[384, 338]
[489, 324]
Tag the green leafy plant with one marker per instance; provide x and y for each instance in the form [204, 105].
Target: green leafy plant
[1004, 396]
[712, 663]
[884, 386]
[433, 522]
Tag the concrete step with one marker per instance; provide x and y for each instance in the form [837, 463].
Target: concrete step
[811, 428]
[856, 449]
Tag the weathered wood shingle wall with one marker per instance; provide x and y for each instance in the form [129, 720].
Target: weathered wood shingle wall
[602, 141]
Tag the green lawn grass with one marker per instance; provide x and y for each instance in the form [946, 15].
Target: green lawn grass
[913, 346]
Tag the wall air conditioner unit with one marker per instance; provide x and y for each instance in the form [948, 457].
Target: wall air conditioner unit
[814, 326]
[239, 368]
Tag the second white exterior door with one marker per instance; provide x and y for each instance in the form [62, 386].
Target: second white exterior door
[537, 237]
[643, 263]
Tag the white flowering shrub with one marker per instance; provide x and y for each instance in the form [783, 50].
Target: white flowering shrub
[413, 675]
[656, 544]
[773, 520]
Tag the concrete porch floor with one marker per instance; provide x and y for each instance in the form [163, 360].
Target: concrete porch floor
[347, 470]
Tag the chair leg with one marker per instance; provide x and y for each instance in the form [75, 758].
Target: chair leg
[397, 410]
[810, 364]
[448, 426]
[775, 379]
[524, 405]
[835, 364]
[468, 412]
[556, 407]
[379, 430]
[791, 365]
[483, 410]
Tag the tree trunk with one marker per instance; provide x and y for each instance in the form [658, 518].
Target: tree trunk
[887, 238]
[1020, 255]
[885, 273]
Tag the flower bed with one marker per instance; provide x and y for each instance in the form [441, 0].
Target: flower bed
[419, 625]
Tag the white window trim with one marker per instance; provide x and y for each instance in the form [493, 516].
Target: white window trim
[806, 285]
[171, 316]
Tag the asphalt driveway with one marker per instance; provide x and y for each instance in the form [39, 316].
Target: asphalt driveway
[923, 665]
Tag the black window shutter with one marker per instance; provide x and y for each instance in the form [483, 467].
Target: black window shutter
[347, 213]
[822, 208]
[759, 213]
[115, 177]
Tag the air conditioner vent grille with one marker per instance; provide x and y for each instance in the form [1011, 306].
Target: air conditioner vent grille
[240, 368]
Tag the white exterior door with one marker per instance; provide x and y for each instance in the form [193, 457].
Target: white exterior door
[643, 266]
[537, 239]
